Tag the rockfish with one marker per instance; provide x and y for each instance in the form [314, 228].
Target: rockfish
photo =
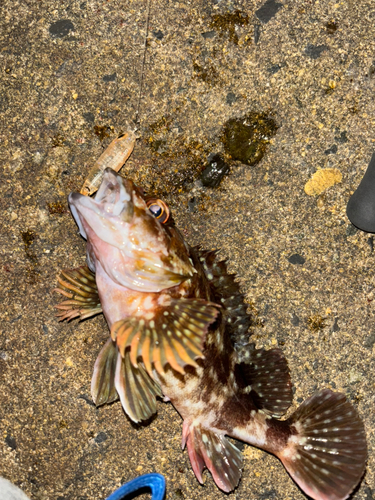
[179, 329]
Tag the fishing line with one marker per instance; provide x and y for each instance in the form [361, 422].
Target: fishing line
[137, 122]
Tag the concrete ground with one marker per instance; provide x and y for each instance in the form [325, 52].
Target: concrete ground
[70, 76]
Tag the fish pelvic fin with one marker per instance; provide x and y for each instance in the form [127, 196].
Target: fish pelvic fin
[326, 455]
[267, 379]
[79, 286]
[175, 334]
[103, 388]
[136, 389]
[215, 452]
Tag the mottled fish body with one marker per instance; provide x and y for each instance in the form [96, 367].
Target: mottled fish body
[179, 329]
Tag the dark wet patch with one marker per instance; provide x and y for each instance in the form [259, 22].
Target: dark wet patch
[89, 117]
[316, 323]
[268, 10]
[275, 68]
[88, 400]
[61, 28]
[215, 171]
[206, 73]
[370, 341]
[225, 24]
[177, 494]
[370, 242]
[159, 35]
[246, 139]
[57, 141]
[109, 78]
[230, 98]
[315, 51]
[296, 258]
[102, 131]
[295, 320]
[101, 437]
[257, 33]
[331, 27]
[331, 151]
[57, 208]
[209, 34]
[335, 326]
[28, 237]
[351, 230]
[342, 138]
[11, 442]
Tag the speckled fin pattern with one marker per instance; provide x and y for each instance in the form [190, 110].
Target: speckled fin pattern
[103, 379]
[267, 376]
[214, 451]
[79, 286]
[227, 293]
[136, 389]
[328, 454]
[175, 335]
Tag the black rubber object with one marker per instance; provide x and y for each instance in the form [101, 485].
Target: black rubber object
[361, 206]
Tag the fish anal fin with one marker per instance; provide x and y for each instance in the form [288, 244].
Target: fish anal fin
[79, 286]
[267, 378]
[214, 451]
[326, 455]
[103, 379]
[174, 335]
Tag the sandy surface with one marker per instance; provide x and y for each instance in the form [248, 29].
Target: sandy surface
[312, 70]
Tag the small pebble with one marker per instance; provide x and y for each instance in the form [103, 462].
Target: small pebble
[213, 174]
[61, 28]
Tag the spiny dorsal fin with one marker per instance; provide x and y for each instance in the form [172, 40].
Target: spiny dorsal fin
[267, 378]
[79, 286]
[227, 293]
[136, 389]
[175, 335]
[214, 451]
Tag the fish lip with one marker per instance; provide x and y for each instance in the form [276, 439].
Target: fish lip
[113, 198]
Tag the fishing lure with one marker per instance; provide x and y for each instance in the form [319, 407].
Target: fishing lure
[113, 157]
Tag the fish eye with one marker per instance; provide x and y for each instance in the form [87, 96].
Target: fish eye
[159, 210]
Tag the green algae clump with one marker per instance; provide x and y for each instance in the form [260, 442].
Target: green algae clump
[246, 139]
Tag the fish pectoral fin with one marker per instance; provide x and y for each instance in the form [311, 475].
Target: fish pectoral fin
[267, 378]
[174, 335]
[137, 390]
[79, 286]
[103, 379]
[326, 452]
[214, 451]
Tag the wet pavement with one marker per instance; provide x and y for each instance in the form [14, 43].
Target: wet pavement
[70, 80]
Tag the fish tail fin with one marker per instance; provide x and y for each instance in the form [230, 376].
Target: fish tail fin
[326, 453]
[215, 452]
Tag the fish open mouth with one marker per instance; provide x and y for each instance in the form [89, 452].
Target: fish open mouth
[132, 246]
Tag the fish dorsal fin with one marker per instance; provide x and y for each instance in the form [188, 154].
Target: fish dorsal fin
[79, 286]
[214, 451]
[267, 378]
[175, 335]
[227, 293]
[136, 389]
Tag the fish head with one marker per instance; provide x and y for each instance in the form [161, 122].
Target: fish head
[133, 247]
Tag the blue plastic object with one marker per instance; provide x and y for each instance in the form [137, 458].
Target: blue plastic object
[155, 482]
